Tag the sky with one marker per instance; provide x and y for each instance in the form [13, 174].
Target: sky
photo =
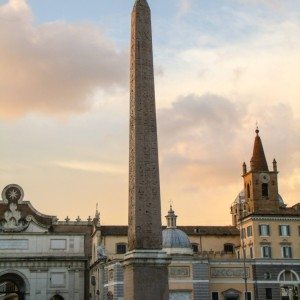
[220, 67]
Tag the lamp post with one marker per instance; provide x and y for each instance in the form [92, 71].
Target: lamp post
[243, 233]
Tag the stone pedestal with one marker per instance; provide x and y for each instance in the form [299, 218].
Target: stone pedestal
[142, 269]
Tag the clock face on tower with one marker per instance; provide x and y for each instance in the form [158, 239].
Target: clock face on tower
[12, 193]
[264, 177]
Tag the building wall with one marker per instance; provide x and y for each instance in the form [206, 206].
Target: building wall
[213, 243]
[267, 275]
[46, 278]
[274, 240]
[48, 263]
[40, 244]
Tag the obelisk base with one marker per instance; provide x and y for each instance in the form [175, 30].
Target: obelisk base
[146, 275]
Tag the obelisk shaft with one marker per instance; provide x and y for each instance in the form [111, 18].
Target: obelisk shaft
[144, 190]
[145, 265]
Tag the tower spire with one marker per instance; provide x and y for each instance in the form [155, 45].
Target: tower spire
[171, 218]
[258, 161]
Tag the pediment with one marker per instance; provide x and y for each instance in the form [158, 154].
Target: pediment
[231, 293]
[17, 215]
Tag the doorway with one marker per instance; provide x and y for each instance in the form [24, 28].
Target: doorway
[289, 292]
[12, 287]
[231, 294]
[57, 297]
[289, 288]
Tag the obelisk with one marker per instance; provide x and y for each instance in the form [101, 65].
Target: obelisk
[146, 272]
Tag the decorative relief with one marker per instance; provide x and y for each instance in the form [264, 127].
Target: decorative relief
[175, 272]
[12, 193]
[12, 220]
[229, 272]
[101, 253]
[40, 265]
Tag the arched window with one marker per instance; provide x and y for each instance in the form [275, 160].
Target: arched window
[287, 275]
[265, 190]
[248, 190]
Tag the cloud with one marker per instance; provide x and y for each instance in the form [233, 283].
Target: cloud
[184, 7]
[273, 4]
[208, 137]
[94, 167]
[54, 68]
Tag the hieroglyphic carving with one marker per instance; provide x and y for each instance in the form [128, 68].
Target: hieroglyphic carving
[144, 189]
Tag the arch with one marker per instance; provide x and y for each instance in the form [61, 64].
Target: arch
[289, 285]
[231, 294]
[57, 297]
[16, 273]
[288, 274]
[248, 190]
[15, 283]
[265, 190]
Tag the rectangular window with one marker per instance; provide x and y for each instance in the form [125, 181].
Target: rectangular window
[264, 230]
[243, 233]
[195, 248]
[247, 296]
[214, 296]
[121, 248]
[251, 252]
[286, 251]
[284, 230]
[249, 231]
[266, 252]
[269, 294]
[228, 248]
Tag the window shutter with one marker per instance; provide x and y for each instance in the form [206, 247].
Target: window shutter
[268, 229]
[288, 230]
[280, 230]
[290, 252]
[259, 229]
[270, 251]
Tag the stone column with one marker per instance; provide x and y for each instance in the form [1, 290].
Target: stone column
[146, 272]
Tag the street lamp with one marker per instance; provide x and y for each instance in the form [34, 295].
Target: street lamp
[243, 233]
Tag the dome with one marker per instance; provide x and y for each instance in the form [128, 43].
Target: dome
[240, 198]
[175, 241]
[175, 238]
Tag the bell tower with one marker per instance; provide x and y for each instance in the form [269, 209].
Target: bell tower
[260, 184]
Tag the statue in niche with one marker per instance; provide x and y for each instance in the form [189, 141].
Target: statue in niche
[101, 253]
